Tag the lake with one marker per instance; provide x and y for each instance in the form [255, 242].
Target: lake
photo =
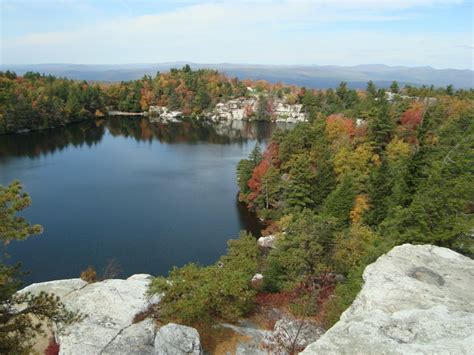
[148, 196]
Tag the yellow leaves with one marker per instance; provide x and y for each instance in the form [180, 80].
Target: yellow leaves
[455, 106]
[397, 150]
[361, 204]
[339, 128]
[352, 246]
[359, 162]
[291, 99]
[98, 113]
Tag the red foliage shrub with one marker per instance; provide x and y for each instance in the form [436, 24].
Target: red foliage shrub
[410, 120]
[275, 299]
[53, 348]
[326, 286]
[412, 117]
[270, 158]
[337, 125]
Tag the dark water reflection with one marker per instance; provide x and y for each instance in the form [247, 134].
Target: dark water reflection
[149, 196]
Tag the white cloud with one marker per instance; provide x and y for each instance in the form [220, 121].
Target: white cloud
[243, 31]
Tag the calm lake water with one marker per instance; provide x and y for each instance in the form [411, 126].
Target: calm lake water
[148, 196]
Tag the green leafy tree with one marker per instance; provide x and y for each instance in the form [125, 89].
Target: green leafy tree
[299, 190]
[371, 89]
[262, 108]
[381, 125]
[340, 201]
[394, 87]
[379, 188]
[245, 169]
[21, 314]
[302, 252]
[195, 295]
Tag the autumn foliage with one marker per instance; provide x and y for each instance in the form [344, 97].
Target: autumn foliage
[53, 348]
[339, 127]
[270, 158]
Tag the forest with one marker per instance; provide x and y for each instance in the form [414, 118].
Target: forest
[363, 175]
[367, 172]
[36, 101]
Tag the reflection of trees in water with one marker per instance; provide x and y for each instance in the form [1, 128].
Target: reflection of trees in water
[190, 131]
[34, 144]
[91, 132]
[248, 219]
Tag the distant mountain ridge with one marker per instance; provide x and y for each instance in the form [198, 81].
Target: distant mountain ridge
[315, 76]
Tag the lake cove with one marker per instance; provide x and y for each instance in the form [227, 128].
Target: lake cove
[148, 196]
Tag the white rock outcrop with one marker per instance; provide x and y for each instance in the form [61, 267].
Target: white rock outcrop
[235, 109]
[292, 335]
[268, 241]
[415, 300]
[163, 114]
[176, 339]
[109, 308]
[242, 109]
[238, 109]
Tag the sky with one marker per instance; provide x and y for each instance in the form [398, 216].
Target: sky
[437, 33]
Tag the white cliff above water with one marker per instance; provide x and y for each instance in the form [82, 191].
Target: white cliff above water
[415, 300]
[238, 109]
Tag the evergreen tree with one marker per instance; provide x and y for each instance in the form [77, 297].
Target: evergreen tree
[381, 126]
[379, 189]
[340, 201]
[394, 87]
[302, 252]
[371, 89]
[299, 192]
[262, 109]
[19, 327]
[256, 156]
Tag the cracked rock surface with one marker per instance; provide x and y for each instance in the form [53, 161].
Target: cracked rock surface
[109, 307]
[415, 300]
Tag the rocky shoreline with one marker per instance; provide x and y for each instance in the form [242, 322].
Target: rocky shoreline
[415, 299]
[239, 109]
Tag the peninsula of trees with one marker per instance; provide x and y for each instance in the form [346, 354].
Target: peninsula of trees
[34, 101]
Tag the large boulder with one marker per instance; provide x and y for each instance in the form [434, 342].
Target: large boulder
[290, 335]
[267, 242]
[415, 299]
[252, 342]
[138, 338]
[176, 339]
[109, 308]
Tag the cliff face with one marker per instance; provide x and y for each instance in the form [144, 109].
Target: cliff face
[239, 109]
[415, 299]
[243, 108]
[109, 308]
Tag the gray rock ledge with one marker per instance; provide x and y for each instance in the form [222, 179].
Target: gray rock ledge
[415, 300]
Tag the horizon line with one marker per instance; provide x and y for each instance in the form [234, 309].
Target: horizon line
[239, 64]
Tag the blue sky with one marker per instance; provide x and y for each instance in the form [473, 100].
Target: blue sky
[437, 33]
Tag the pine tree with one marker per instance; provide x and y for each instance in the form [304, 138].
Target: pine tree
[371, 89]
[299, 192]
[381, 126]
[379, 189]
[340, 201]
[302, 253]
[394, 87]
[18, 328]
[256, 155]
